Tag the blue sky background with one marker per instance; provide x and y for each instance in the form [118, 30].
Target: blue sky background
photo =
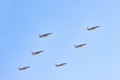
[22, 20]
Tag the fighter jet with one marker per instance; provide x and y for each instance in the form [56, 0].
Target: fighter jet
[78, 46]
[62, 64]
[44, 35]
[24, 68]
[38, 52]
[92, 28]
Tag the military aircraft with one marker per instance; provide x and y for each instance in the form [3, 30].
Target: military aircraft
[38, 52]
[24, 68]
[81, 45]
[62, 64]
[92, 28]
[44, 35]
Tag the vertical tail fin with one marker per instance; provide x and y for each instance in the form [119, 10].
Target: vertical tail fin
[97, 26]
[19, 68]
[75, 46]
[32, 53]
[87, 28]
[56, 65]
[39, 35]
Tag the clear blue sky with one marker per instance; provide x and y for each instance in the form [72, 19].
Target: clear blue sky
[22, 20]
